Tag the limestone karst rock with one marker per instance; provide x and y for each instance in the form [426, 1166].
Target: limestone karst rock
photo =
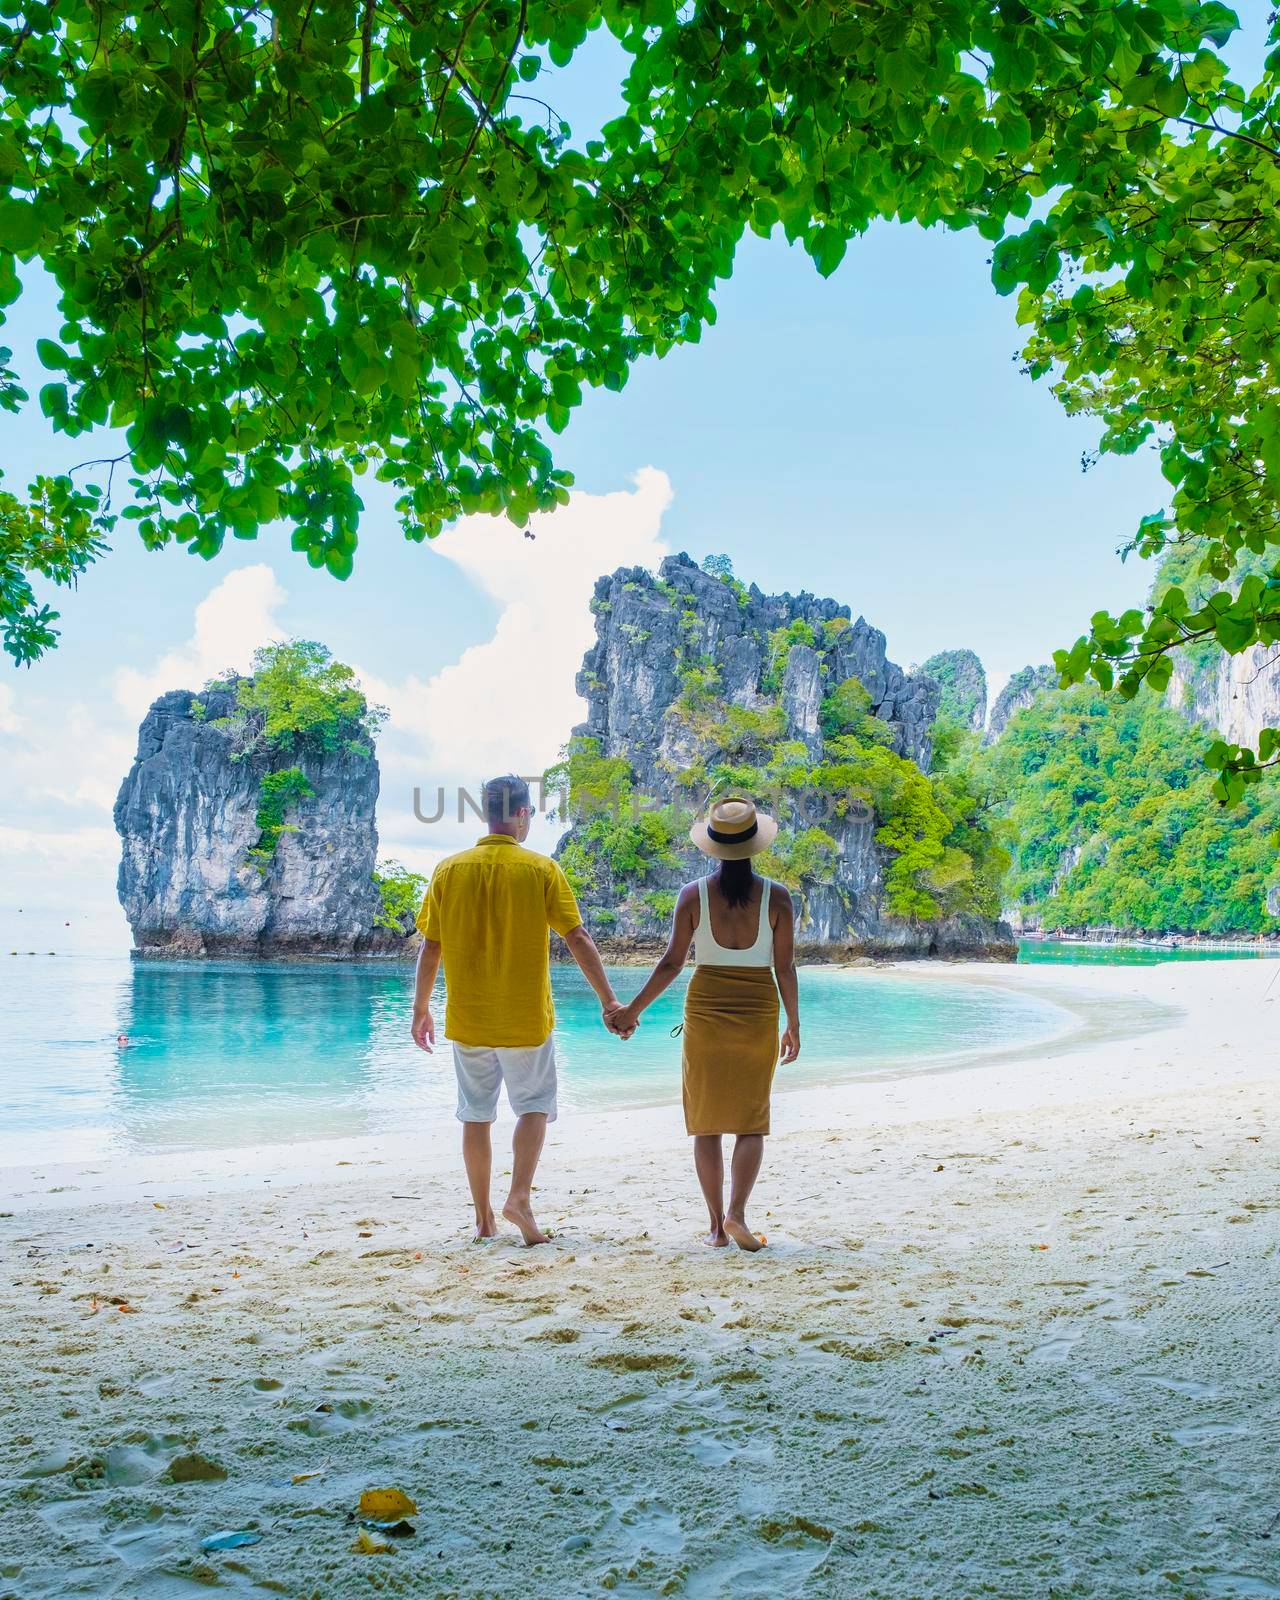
[769, 657]
[186, 819]
[1018, 693]
[963, 682]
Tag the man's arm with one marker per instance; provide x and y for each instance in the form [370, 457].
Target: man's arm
[582, 947]
[424, 1028]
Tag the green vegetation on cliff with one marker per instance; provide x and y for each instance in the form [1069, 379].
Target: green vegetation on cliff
[1116, 825]
[963, 681]
[276, 793]
[944, 856]
[400, 895]
[297, 698]
[618, 838]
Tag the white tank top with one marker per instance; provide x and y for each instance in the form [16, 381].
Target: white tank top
[707, 953]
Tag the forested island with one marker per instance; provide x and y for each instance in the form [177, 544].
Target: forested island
[917, 816]
[247, 819]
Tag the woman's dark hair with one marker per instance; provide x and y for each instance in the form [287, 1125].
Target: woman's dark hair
[735, 881]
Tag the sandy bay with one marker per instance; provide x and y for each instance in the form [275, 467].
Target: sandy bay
[1015, 1334]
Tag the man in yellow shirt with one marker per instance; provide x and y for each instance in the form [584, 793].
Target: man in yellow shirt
[486, 915]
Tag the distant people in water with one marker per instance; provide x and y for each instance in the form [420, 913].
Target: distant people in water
[742, 929]
[122, 1039]
[486, 916]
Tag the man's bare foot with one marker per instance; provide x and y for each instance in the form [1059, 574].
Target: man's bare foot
[522, 1216]
[741, 1235]
[715, 1239]
[486, 1229]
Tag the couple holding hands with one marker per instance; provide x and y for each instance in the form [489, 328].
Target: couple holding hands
[486, 916]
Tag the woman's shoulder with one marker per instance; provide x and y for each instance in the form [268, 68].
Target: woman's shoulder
[779, 896]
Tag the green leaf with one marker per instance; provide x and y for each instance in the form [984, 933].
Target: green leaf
[20, 226]
[826, 245]
[53, 400]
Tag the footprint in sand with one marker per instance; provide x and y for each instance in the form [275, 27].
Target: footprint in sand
[637, 1361]
[1208, 1432]
[777, 1562]
[1188, 1387]
[149, 1545]
[61, 1458]
[140, 1459]
[636, 1525]
[714, 1430]
[332, 1417]
[1058, 1347]
[195, 1468]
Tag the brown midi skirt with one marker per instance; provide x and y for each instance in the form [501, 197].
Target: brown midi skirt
[730, 1049]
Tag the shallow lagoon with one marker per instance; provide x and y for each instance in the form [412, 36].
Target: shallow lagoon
[224, 1054]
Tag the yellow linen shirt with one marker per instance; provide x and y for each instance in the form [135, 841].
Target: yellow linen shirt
[489, 909]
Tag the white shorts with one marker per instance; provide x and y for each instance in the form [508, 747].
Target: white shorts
[529, 1072]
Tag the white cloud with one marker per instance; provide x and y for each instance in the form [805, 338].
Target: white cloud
[10, 721]
[75, 758]
[65, 761]
[233, 619]
[46, 847]
[510, 701]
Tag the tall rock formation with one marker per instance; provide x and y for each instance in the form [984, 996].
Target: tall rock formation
[693, 673]
[1236, 696]
[1017, 694]
[186, 815]
[963, 682]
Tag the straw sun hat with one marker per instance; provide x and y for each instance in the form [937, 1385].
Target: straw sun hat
[733, 829]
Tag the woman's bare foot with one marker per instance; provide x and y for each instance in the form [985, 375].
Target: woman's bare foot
[486, 1229]
[715, 1239]
[521, 1213]
[741, 1235]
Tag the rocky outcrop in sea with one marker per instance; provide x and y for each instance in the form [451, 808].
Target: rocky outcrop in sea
[187, 816]
[656, 638]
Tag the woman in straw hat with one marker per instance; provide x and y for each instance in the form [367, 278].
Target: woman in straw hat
[742, 930]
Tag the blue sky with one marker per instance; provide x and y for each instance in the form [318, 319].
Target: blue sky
[868, 437]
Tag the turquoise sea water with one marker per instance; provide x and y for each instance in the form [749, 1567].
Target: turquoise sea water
[228, 1054]
[1073, 953]
[224, 1054]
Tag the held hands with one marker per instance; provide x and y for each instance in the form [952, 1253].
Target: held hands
[619, 1019]
[423, 1030]
[790, 1044]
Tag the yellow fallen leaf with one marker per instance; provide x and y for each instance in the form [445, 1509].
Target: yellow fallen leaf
[303, 1477]
[385, 1505]
[157, 1205]
[368, 1544]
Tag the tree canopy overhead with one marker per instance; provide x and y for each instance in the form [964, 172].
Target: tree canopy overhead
[296, 243]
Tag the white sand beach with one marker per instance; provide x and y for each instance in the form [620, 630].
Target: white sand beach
[1015, 1334]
